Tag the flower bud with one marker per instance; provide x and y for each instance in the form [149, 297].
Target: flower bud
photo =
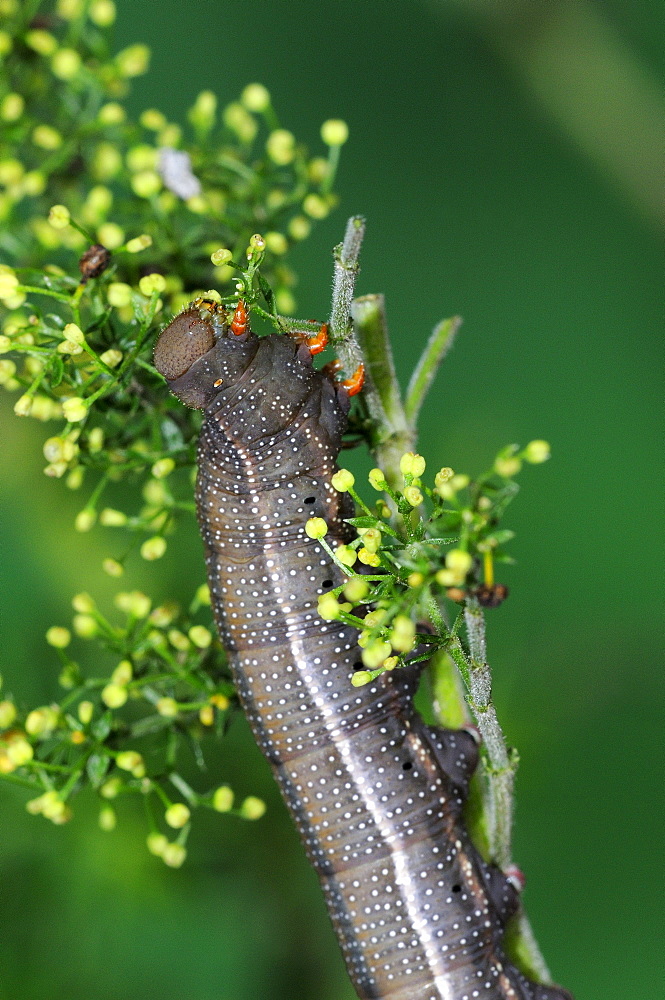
[58, 637]
[316, 527]
[537, 452]
[343, 480]
[252, 808]
[334, 132]
[200, 636]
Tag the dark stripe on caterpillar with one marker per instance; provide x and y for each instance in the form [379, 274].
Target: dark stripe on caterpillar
[376, 794]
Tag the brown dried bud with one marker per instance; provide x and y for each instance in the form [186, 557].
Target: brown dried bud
[491, 597]
[456, 594]
[94, 261]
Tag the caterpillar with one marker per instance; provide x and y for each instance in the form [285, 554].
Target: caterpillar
[375, 793]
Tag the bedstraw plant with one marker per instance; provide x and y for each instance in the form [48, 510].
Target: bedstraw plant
[109, 227]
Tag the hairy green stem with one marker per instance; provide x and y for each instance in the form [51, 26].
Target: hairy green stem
[359, 331]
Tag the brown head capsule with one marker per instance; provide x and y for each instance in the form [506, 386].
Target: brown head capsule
[186, 339]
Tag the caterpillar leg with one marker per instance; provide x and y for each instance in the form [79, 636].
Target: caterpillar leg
[354, 384]
[240, 319]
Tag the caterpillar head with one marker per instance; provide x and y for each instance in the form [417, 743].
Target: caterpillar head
[200, 351]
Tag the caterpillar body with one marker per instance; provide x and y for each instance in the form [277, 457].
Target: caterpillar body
[376, 794]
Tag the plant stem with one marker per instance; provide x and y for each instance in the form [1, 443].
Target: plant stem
[393, 432]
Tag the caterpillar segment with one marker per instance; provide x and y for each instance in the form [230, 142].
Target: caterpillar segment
[376, 794]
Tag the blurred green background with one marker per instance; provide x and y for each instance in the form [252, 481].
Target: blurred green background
[506, 165]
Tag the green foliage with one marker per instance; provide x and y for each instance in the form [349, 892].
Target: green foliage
[109, 226]
[443, 543]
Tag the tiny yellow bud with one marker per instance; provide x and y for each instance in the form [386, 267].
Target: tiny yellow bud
[152, 284]
[377, 479]
[277, 243]
[46, 137]
[146, 183]
[375, 653]
[74, 409]
[107, 818]
[415, 579]
[111, 235]
[111, 113]
[85, 520]
[447, 578]
[178, 640]
[507, 467]
[459, 562]
[41, 41]
[299, 227]
[111, 788]
[8, 284]
[19, 751]
[66, 63]
[83, 603]
[173, 855]
[371, 539]
[221, 256]
[356, 590]
[334, 132]
[111, 358]
[168, 707]
[222, 799]
[200, 636]
[346, 554]
[403, 633]
[220, 701]
[252, 808]
[203, 594]
[316, 527]
[255, 97]
[7, 714]
[111, 518]
[114, 695]
[328, 607]
[537, 452]
[119, 294]
[343, 480]
[85, 626]
[157, 843]
[133, 61]
[128, 760]
[153, 548]
[58, 637]
[123, 673]
[139, 243]
[113, 568]
[69, 347]
[133, 603]
[153, 119]
[12, 107]
[85, 711]
[360, 677]
[368, 558]
[315, 206]
[177, 815]
[23, 405]
[281, 146]
[102, 13]
[412, 464]
[206, 715]
[162, 468]
[413, 496]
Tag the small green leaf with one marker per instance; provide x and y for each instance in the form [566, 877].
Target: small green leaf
[96, 767]
[57, 370]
